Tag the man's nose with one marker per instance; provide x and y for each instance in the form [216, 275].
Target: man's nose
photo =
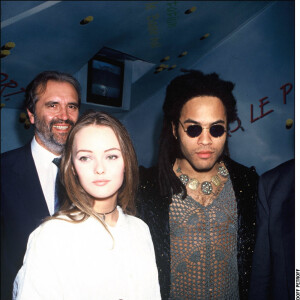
[205, 137]
[63, 113]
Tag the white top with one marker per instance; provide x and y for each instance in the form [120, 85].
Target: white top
[46, 170]
[76, 261]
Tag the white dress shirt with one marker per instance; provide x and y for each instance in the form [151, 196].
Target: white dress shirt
[47, 172]
[78, 261]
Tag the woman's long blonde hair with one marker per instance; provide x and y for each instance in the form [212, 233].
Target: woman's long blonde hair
[78, 203]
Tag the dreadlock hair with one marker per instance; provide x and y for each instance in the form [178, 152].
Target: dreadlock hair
[180, 90]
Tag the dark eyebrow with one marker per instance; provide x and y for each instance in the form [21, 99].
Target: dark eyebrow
[73, 103]
[190, 121]
[57, 102]
[218, 122]
[197, 123]
[51, 102]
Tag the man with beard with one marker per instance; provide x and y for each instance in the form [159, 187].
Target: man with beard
[198, 203]
[29, 174]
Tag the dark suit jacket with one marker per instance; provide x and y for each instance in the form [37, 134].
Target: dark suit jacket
[23, 207]
[274, 255]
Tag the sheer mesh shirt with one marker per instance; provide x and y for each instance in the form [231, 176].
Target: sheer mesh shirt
[204, 247]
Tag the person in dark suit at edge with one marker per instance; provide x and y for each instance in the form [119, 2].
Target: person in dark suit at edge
[28, 174]
[273, 272]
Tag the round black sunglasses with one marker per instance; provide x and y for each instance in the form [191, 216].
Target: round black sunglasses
[193, 131]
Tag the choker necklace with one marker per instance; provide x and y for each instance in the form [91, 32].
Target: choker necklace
[104, 214]
[206, 186]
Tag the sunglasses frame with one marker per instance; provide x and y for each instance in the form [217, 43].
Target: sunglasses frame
[185, 130]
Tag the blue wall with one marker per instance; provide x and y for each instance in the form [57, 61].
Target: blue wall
[259, 59]
[13, 133]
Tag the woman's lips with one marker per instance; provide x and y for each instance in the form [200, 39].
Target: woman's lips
[100, 182]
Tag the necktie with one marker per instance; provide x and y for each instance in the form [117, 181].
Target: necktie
[58, 187]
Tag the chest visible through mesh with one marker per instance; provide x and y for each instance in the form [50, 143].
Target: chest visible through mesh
[204, 247]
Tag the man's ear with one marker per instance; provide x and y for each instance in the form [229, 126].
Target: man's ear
[174, 130]
[31, 116]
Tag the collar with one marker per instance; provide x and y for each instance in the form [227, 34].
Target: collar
[41, 153]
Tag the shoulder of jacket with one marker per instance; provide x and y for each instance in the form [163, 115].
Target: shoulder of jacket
[287, 168]
[14, 153]
[237, 168]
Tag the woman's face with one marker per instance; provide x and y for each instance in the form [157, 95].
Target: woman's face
[98, 162]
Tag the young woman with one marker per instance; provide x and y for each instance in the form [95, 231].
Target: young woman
[93, 248]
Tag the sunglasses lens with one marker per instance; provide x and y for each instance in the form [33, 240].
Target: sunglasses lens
[217, 130]
[194, 130]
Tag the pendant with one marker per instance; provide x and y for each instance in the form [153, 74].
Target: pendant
[223, 171]
[193, 184]
[184, 178]
[206, 188]
[216, 180]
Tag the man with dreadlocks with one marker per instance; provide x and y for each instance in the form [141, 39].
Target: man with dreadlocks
[199, 204]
